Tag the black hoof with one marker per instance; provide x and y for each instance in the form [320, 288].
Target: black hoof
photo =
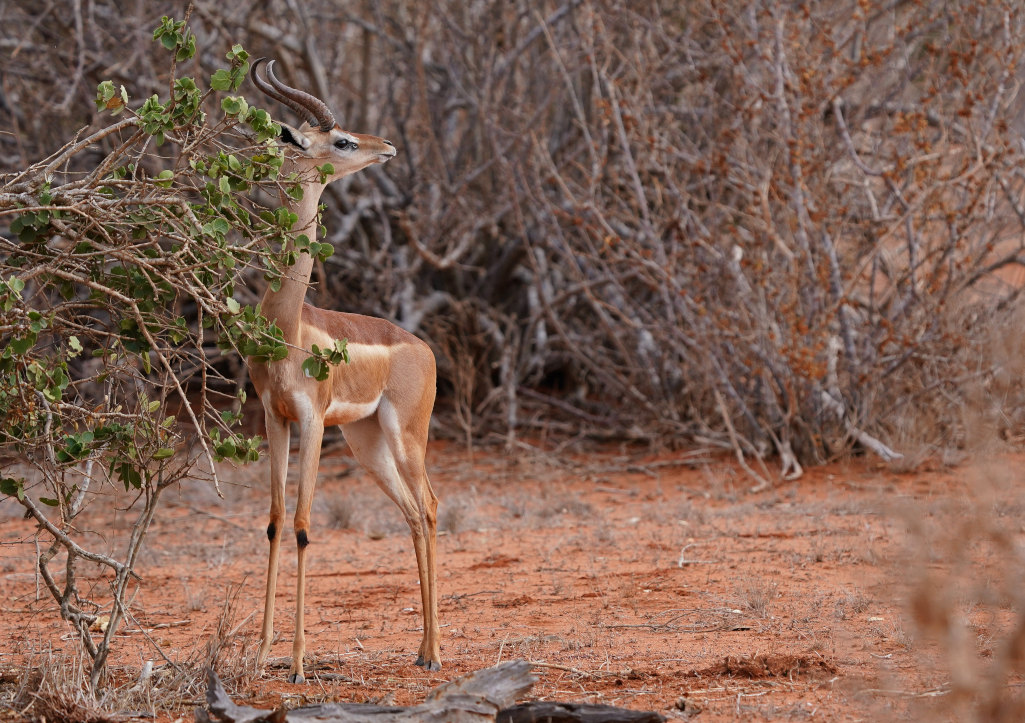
[296, 678]
[429, 665]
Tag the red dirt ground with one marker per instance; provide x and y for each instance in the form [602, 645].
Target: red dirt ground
[658, 583]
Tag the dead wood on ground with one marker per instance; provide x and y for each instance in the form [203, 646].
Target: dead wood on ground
[485, 695]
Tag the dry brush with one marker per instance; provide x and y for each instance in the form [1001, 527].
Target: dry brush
[778, 227]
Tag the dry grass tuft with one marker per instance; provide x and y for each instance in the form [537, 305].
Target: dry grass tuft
[56, 686]
[342, 512]
[853, 602]
[756, 594]
[458, 514]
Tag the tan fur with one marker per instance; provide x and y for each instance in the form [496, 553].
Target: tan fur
[382, 399]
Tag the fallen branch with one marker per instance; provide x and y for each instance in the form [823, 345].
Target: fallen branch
[545, 712]
[485, 695]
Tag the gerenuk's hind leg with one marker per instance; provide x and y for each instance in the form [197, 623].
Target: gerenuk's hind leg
[405, 482]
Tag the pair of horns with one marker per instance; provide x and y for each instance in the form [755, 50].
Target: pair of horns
[310, 108]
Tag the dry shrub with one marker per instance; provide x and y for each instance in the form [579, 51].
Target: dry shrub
[775, 227]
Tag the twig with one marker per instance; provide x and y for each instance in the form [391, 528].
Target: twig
[761, 482]
[574, 671]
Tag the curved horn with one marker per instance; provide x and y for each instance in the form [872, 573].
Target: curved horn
[309, 107]
[269, 90]
[314, 105]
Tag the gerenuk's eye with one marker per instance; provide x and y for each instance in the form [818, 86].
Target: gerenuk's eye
[342, 144]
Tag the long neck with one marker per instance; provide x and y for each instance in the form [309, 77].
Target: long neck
[284, 306]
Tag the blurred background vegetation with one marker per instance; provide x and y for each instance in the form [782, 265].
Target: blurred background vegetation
[789, 229]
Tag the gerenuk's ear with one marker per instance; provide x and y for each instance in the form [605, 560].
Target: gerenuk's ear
[295, 137]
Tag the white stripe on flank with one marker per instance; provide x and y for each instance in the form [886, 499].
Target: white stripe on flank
[345, 412]
[357, 349]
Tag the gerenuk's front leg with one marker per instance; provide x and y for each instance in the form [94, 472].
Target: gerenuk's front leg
[311, 434]
[278, 439]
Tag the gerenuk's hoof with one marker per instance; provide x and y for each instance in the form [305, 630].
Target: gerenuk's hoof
[296, 678]
[429, 665]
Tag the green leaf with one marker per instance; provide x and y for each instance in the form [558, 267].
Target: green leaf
[52, 394]
[187, 48]
[22, 345]
[129, 475]
[13, 487]
[108, 98]
[233, 306]
[316, 368]
[49, 501]
[226, 449]
[163, 453]
[221, 80]
[235, 105]
[341, 348]
[324, 171]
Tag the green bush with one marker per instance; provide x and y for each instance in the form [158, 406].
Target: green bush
[118, 316]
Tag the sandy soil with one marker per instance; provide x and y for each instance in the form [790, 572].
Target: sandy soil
[658, 583]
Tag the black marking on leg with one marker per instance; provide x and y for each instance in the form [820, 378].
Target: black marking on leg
[301, 540]
[271, 531]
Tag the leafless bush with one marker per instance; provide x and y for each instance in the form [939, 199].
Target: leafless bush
[772, 226]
